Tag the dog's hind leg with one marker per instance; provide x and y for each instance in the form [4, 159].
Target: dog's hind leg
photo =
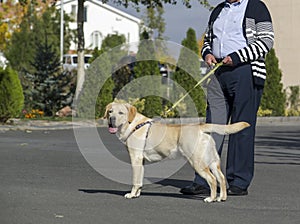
[216, 170]
[211, 180]
[137, 176]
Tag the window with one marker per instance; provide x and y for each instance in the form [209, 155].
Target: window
[85, 14]
[74, 12]
[96, 39]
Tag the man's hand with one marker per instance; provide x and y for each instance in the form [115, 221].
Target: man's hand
[227, 61]
[210, 59]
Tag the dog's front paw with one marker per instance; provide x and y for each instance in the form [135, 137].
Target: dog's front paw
[209, 199]
[129, 196]
[220, 199]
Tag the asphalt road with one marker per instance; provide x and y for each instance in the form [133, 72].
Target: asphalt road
[45, 179]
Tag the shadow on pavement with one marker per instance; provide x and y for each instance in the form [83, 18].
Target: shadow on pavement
[144, 193]
[278, 148]
[167, 182]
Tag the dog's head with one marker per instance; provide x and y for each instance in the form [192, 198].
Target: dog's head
[118, 114]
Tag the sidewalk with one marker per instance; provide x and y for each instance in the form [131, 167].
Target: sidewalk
[24, 125]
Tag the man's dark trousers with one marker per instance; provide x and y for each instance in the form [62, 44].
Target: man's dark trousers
[233, 97]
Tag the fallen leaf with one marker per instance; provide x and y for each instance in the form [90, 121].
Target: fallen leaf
[58, 216]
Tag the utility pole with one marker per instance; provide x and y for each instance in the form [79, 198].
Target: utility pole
[61, 30]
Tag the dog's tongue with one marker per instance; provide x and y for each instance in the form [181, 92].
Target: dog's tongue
[112, 130]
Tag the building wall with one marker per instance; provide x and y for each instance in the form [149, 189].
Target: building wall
[286, 22]
[102, 20]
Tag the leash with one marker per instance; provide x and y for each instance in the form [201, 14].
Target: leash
[198, 83]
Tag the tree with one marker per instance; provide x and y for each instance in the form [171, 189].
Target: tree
[126, 3]
[80, 33]
[13, 12]
[273, 97]
[294, 97]
[109, 42]
[104, 64]
[49, 88]
[149, 69]
[80, 48]
[294, 101]
[21, 49]
[122, 76]
[31, 46]
[91, 103]
[155, 21]
[112, 40]
[155, 3]
[112, 43]
[188, 79]
[11, 94]
[200, 44]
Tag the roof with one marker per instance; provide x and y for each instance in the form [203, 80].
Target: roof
[107, 7]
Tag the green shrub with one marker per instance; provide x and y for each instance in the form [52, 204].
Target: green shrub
[137, 102]
[187, 75]
[264, 112]
[292, 112]
[97, 89]
[273, 98]
[11, 94]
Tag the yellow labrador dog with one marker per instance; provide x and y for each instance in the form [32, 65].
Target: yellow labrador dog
[153, 141]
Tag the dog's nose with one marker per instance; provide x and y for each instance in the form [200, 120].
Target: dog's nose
[112, 121]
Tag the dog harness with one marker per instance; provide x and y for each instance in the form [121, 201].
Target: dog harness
[137, 127]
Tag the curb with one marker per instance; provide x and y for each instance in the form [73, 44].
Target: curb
[283, 121]
[31, 125]
[16, 124]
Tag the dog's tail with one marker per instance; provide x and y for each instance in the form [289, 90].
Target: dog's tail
[224, 129]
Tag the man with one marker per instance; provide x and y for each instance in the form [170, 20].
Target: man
[239, 34]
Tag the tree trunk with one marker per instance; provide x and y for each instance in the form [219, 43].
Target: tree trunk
[80, 48]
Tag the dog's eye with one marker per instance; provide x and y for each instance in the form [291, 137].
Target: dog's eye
[121, 113]
[110, 111]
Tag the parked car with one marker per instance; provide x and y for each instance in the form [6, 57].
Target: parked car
[70, 61]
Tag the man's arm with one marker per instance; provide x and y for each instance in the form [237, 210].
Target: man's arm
[264, 39]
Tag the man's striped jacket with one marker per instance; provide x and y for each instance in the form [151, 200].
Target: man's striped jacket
[258, 31]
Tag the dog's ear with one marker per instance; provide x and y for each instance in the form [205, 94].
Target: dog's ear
[108, 107]
[131, 112]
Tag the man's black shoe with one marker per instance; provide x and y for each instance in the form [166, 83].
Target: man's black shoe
[195, 189]
[236, 191]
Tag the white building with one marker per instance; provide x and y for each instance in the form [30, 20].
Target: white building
[100, 20]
